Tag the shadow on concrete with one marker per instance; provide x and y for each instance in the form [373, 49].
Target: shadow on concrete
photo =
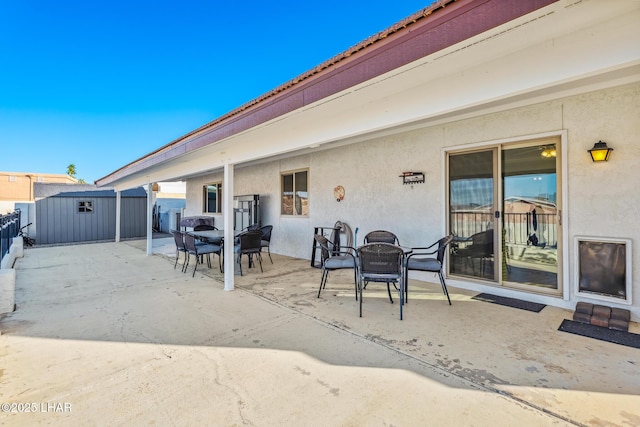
[115, 293]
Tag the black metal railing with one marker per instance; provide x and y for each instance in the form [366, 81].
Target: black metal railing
[9, 228]
[519, 227]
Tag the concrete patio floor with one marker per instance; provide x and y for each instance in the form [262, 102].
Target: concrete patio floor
[105, 335]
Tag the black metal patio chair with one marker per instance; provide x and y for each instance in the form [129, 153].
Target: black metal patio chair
[333, 259]
[383, 263]
[203, 227]
[199, 251]
[421, 259]
[178, 237]
[252, 227]
[480, 249]
[381, 236]
[266, 239]
[249, 244]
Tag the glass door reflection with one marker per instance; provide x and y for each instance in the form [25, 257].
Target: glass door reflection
[472, 219]
[530, 216]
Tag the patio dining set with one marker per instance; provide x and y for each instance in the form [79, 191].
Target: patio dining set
[382, 259]
[206, 240]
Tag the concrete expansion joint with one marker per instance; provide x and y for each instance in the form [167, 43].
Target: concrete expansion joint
[442, 371]
[538, 408]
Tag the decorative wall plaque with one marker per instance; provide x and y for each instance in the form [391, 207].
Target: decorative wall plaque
[412, 177]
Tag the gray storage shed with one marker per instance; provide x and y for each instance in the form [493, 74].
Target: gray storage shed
[86, 216]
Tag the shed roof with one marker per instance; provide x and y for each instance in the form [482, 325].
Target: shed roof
[48, 189]
[132, 193]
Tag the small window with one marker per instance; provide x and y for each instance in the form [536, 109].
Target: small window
[85, 206]
[212, 194]
[12, 178]
[295, 198]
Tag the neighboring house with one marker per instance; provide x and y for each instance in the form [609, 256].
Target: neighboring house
[170, 202]
[18, 187]
[495, 102]
[18, 191]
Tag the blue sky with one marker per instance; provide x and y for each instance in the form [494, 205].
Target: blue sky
[100, 84]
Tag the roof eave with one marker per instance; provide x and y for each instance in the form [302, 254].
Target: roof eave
[404, 42]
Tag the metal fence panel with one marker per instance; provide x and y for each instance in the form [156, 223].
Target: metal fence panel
[9, 228]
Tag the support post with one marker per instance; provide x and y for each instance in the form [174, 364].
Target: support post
[118, 210]
[149, 218]
[227, 203]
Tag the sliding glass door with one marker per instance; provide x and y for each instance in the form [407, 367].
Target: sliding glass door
[530, 216]
[503, 211]
[472, 207]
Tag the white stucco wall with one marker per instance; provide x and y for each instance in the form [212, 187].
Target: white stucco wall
[602, 199]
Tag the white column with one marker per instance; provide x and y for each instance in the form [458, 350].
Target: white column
[149, 218]
[227, 208]
[118, 209]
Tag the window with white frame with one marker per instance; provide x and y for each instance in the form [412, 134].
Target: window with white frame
[212, 195]
[294, 193]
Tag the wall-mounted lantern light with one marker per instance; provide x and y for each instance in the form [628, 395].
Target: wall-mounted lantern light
[600, 152]
[549, 151]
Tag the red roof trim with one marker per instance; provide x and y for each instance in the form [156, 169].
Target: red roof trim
[434, 28]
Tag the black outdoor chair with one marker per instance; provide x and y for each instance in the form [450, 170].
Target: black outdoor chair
[252, 227]
[249, 244]
[383, 263]
[266, 239]
[200, 251]
[203, 227]
[336, 259]
[421, 259]
[381, 236]
[480, 248]
[178, 237]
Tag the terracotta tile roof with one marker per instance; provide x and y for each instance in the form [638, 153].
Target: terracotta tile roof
[421, 14]
[315, 71]
[442, 24]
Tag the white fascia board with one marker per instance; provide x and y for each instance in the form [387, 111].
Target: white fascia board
[556, 63]
[459, 81]
[536, 57]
